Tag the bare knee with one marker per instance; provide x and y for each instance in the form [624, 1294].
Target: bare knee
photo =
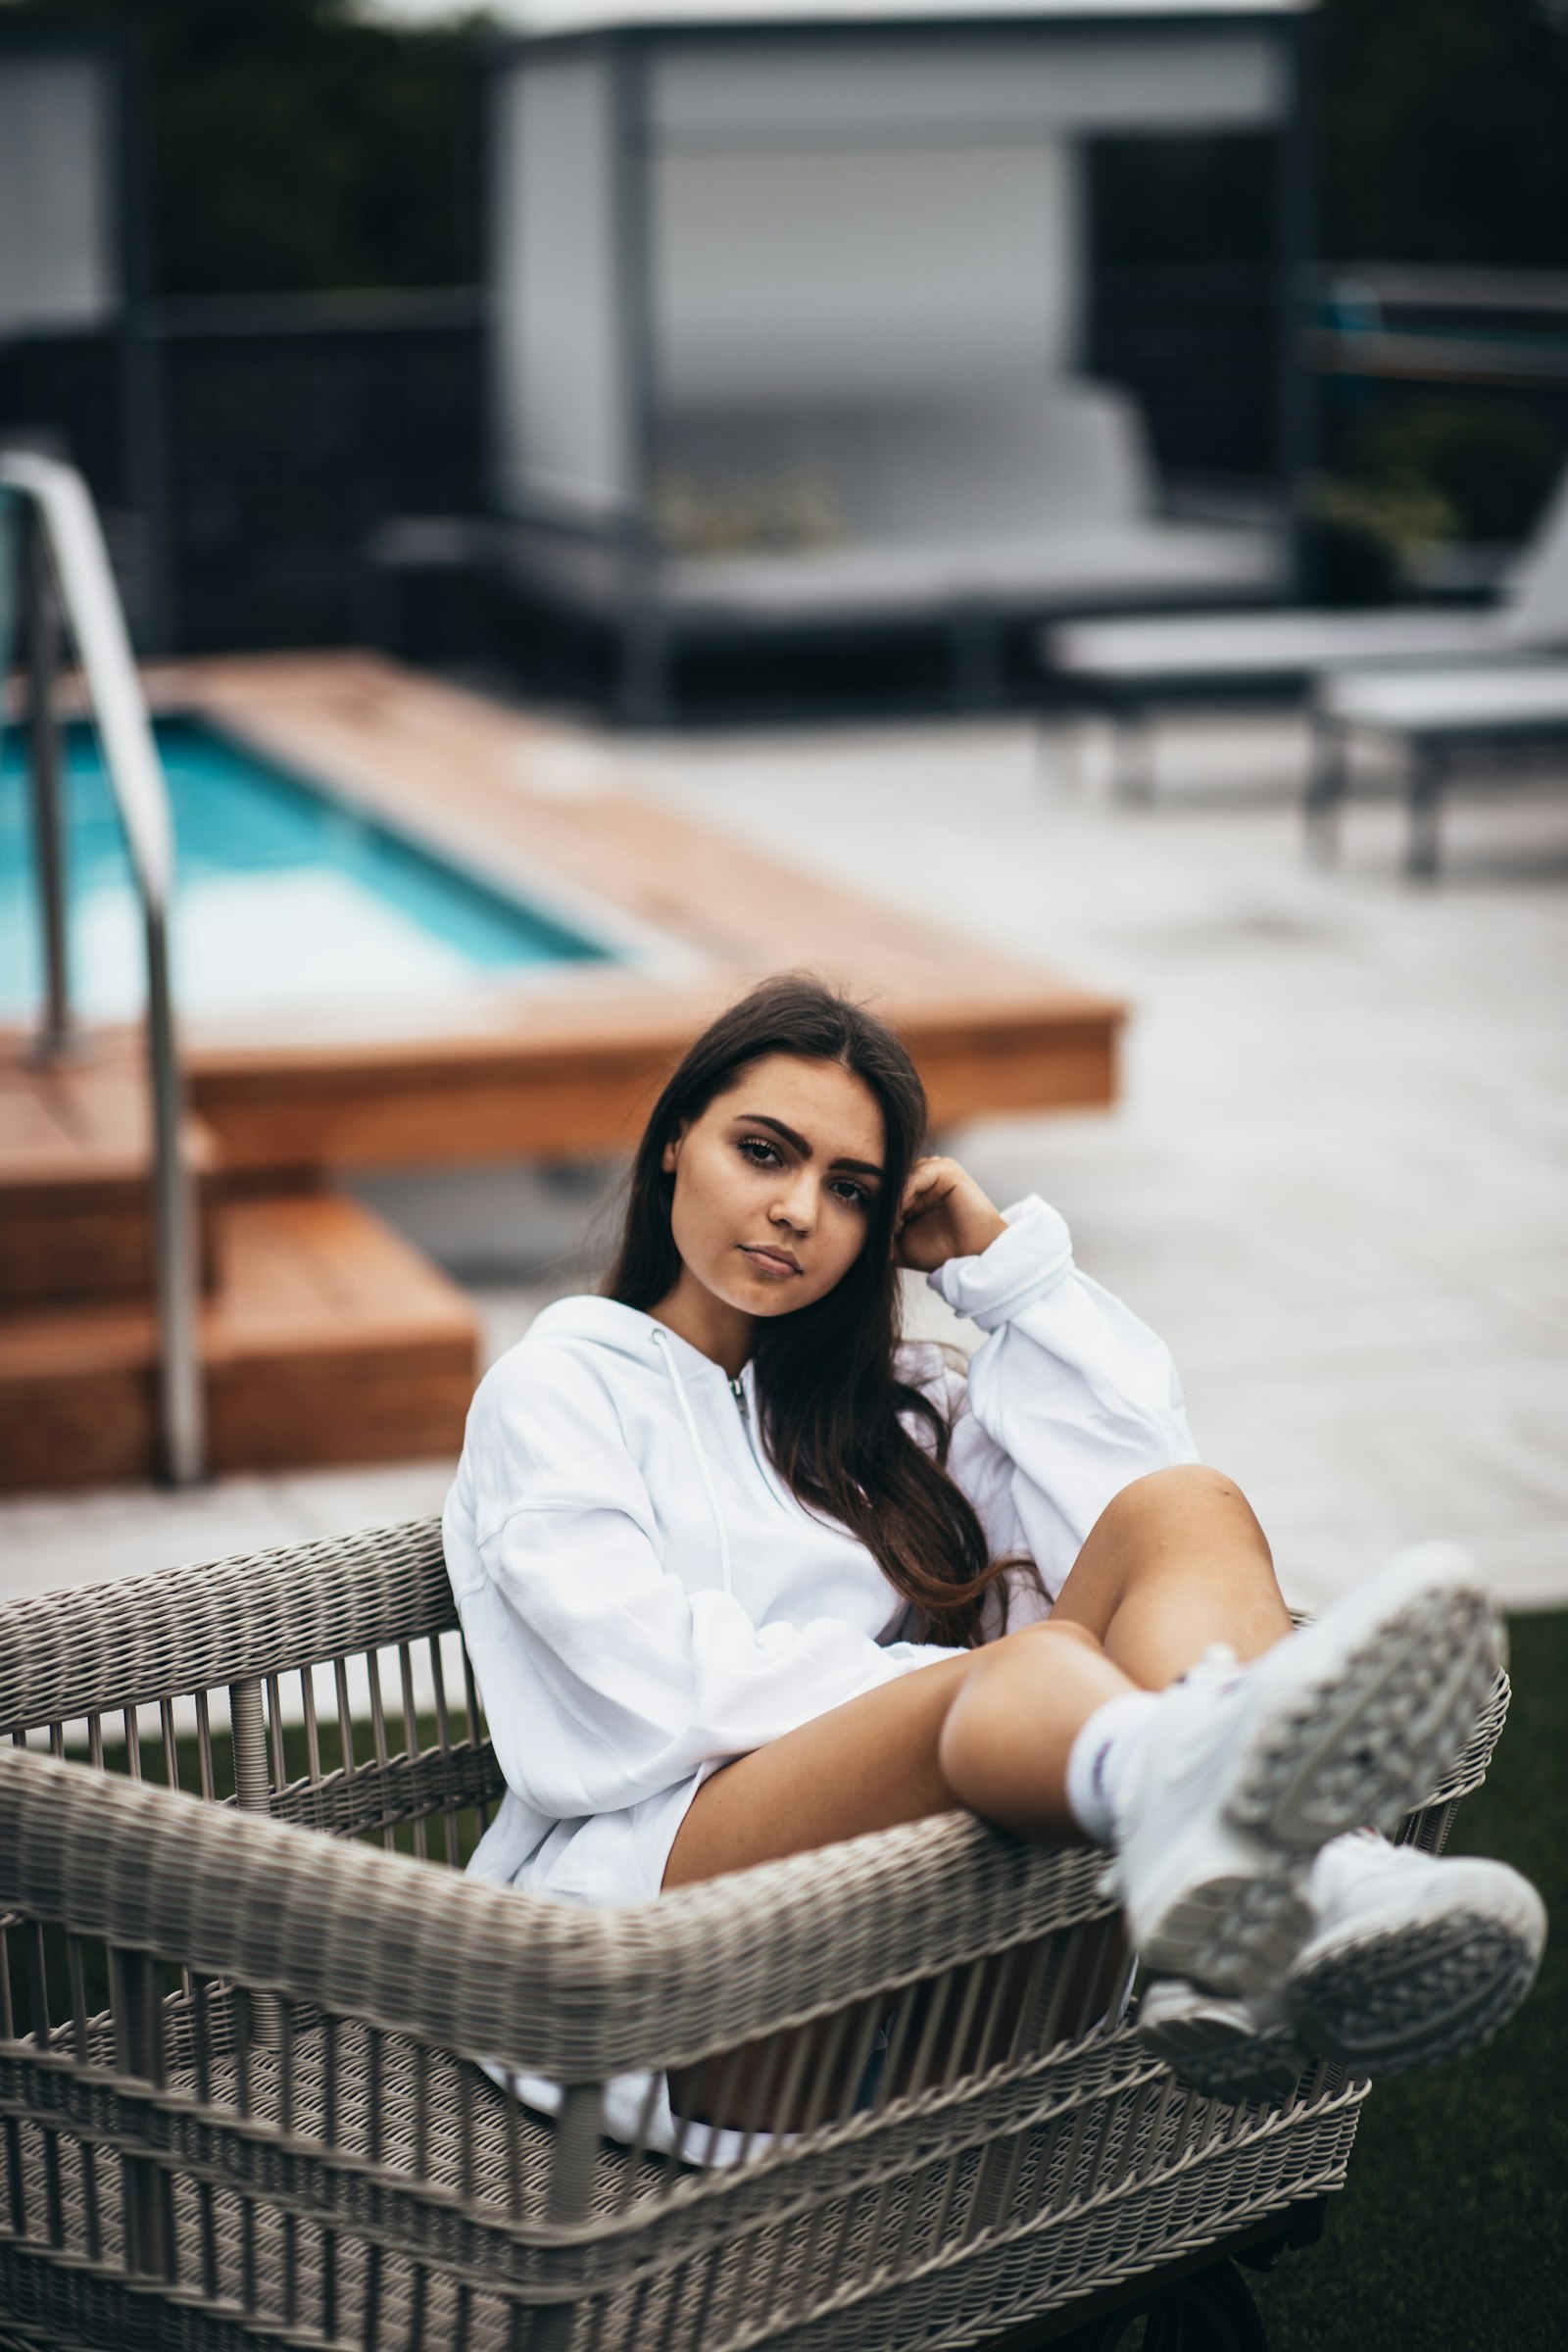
[1189, 1518]
[1026, 1674]
[1060, 1628]
[1176, 1496]
[996, 1657]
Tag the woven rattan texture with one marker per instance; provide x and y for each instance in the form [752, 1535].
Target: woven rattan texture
[146, 1637]
[238, 2096]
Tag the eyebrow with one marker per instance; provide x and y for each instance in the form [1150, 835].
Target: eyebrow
[760, 1118]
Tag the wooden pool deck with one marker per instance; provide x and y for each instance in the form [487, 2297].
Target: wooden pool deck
[325, 1335]
[567, 1066]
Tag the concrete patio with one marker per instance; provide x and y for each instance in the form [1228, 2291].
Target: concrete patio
[1337, 1183]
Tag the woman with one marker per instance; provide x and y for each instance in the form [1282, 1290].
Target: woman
[741, 1575]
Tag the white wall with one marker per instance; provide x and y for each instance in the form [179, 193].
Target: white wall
[57, 265]
[956, 86]
[854, 274]
[857, 217]
[840, 219]
[559, 411]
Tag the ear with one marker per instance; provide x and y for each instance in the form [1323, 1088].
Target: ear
[671, 1150]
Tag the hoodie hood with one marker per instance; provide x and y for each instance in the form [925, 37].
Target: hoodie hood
[627, 1331]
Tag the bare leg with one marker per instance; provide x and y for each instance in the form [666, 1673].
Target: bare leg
[1176, 1562]
[887, 1757]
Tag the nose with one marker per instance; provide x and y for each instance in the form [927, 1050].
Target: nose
[795, 1203]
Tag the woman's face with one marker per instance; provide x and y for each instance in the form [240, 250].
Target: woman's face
[775, 1184]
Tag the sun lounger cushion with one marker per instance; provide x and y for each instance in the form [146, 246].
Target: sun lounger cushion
[1526, 698]
[1272, 645]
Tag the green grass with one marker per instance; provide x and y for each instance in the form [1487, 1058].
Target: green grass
[1452, 2234]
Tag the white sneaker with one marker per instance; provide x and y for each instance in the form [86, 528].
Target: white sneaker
[1245, 1772]
[1230, 2046]
[1416, 1958]
[1412, 1959]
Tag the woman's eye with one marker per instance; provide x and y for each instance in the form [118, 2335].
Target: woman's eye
[761, 1153]
[855, 1193]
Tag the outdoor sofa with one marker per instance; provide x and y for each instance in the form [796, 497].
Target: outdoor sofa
[1049, 496]
[773, 521]
[1129, 666]
[241, 2097]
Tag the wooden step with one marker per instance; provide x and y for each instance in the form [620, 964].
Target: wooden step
[75, 1207]
[331, 1340]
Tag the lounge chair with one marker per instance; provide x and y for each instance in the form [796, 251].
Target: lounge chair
[247, 2056]
[1437, 717]
[1127, 666]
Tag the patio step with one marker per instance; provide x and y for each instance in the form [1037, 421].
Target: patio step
[331, 1340]
[76, 1213]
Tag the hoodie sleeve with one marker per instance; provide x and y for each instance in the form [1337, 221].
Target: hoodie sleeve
[604, 1679]
[1069, 1398]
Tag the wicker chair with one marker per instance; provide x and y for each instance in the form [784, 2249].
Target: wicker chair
[241, 2093]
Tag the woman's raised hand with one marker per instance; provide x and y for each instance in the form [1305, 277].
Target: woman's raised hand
[943, 1214]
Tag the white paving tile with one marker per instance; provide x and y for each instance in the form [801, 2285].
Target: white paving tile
[46, 1542]
[329, 1503]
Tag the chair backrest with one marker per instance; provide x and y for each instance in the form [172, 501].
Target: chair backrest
[1069, 458]
[325, 1685]
[1536, 590]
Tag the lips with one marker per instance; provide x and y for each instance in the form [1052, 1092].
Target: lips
[772, 1261]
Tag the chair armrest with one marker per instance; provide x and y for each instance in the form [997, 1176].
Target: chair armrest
[573, 1993]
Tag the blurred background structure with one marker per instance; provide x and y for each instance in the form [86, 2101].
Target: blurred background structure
[796, 335]
[313, 378]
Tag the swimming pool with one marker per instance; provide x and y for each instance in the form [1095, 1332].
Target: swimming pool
[286, 897]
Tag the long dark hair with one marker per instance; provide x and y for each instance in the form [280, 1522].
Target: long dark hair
[828, 1387]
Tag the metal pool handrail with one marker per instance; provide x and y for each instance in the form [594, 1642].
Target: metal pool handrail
[65, 530]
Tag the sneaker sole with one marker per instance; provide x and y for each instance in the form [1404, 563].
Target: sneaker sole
[1235, 1929]
[1389, 2000]
[1362, 1736]
[1358, 1747]
[1214, 2047]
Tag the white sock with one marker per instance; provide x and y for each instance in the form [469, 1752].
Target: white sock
[1098, 1760]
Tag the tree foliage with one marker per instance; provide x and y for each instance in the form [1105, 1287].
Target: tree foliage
[1443, 131]
[288, 145]
[285, 146]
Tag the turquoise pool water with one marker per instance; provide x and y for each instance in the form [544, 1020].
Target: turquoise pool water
[285, 896]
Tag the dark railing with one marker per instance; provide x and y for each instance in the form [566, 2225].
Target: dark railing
[287, 429]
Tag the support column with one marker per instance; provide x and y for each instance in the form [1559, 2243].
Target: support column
[56, 1040]
[1325, 789]
[136, 1987]
[572, 2174]
[1426, 789]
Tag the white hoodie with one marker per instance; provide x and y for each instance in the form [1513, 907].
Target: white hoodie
[643, 1599]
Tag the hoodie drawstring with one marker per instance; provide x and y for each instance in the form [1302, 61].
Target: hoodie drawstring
[662, 1339]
